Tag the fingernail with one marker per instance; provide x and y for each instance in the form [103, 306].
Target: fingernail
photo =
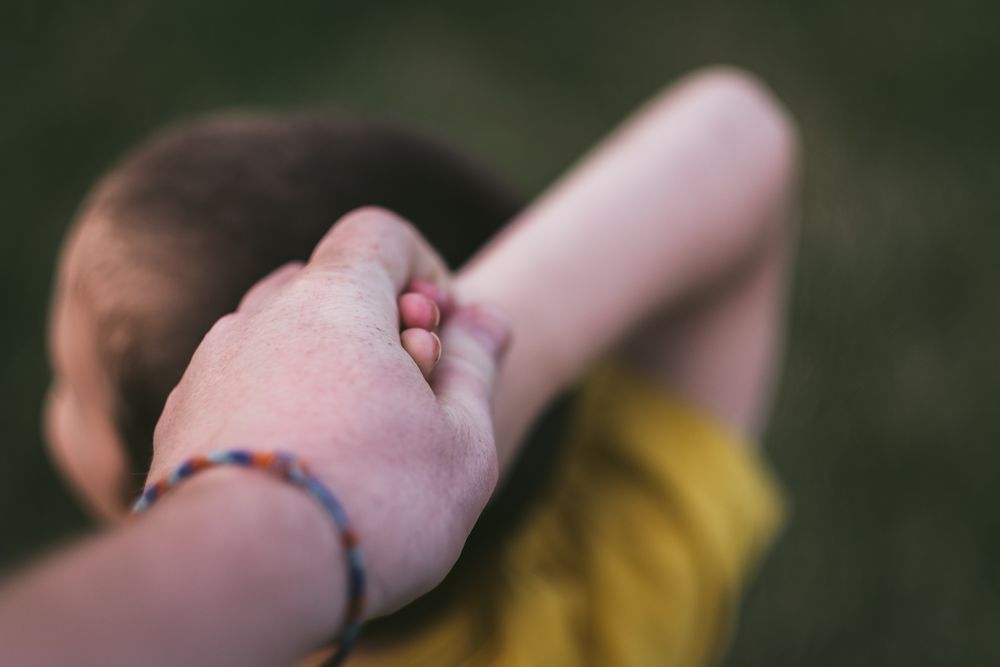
[440, 348]
[437, 314]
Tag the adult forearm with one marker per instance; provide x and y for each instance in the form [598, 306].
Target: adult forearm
[233, 568]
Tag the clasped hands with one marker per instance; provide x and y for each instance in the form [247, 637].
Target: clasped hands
[400, 427]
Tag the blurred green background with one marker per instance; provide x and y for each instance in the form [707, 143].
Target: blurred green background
[886, 428]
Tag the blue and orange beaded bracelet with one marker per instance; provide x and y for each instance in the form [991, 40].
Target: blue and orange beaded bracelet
[287, 467]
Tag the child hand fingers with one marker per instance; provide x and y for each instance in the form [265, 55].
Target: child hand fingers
[442, 296]
[475, 339]
[419, 312]
[424, 347]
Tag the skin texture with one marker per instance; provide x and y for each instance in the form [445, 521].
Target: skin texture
[311, 360]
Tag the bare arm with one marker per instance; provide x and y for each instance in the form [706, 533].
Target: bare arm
[183, 586]
[234, 568]
[683, 195]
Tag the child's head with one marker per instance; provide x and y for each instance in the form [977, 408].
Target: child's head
[174, 235]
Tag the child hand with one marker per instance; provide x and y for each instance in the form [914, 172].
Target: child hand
[421, 309]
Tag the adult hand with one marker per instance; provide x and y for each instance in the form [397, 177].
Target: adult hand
[311, 363]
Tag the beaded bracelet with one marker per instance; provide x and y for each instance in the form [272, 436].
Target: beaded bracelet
[285, 466]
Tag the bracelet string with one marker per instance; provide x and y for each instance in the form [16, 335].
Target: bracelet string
[285, 466]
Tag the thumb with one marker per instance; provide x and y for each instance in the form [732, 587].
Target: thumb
[473, 341]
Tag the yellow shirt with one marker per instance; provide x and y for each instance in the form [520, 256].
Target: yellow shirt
[636, 555]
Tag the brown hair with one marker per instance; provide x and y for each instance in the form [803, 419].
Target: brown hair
[202, 211]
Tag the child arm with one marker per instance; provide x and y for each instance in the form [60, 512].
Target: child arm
[669, 235]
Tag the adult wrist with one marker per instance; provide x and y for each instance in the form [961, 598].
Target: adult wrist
[234, 568]
[275, 547]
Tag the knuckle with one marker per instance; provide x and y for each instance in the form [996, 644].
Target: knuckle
[741, 92]
[366, 235]
[372, 221]
[221, 329]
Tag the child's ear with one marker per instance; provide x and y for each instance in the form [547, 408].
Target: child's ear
[58, 436]
[92, 464]
[54, 431]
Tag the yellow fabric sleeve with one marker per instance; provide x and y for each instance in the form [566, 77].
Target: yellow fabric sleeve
[637, 553]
